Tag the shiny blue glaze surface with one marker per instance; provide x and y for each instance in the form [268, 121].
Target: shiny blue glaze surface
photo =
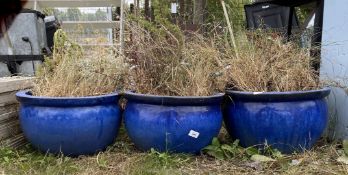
[72, 126]
[166, 126]
[290, 121]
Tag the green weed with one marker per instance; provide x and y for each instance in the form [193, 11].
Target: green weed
[159, 163]
[229, 151]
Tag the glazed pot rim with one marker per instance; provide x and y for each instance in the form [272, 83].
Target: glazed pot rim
[174, 100]
[279, 96]
[26, 97]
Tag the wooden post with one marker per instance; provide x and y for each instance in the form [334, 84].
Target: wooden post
[198, 12]
[136, 7]
[182, 11]
[138, 4]
[230, 29]
[147, 9]
[122, 28]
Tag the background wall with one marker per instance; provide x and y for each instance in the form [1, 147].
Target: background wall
[335, 63]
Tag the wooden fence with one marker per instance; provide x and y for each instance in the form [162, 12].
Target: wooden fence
[10, 132]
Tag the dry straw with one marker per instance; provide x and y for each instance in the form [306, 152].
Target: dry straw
[167, 62]
[267, 63]
[72, 72]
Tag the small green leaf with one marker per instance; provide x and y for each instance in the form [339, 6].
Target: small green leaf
[216, 142]
[6, 159]
[252, 151]
[218, 154]
[9, 152]
[227, 154]
[229, 149]
[210, 148]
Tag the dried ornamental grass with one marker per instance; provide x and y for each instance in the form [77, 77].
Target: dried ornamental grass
[74, 73]
[267, 63]
[166, 62]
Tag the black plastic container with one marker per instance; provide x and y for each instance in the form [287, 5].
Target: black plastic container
[52, 25]
[267, 15]
[22, 49]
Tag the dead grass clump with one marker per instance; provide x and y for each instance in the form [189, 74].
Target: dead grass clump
[267, 63]
[72, 72]
[167, 62]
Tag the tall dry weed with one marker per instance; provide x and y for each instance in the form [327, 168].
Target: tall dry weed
[268, 63]
[167, 62]
[72, 72]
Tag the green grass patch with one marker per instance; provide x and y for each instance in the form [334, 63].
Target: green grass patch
[27, 160]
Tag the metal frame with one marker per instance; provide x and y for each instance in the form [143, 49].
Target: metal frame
[92, 24]
[318, 24]
[37, 4]
[292, 4]
[13, 58]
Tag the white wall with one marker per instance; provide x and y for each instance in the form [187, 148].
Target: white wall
[334, 64]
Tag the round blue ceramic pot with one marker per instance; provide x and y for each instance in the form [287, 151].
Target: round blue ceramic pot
[172, 124]
[287, 121]
[72, 126]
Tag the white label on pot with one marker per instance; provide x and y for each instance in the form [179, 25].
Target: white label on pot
[194, 134]
[173, 8]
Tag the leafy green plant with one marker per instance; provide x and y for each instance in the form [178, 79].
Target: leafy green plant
[229, 151]
[164, 158]
[6, 155]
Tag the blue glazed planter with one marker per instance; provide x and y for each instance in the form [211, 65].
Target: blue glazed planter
[72, 126]
[288, 121]
[172, 124]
